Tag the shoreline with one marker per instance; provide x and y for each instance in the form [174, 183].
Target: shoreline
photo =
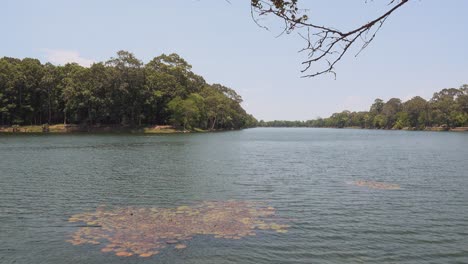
[436, 129]
[71, 128]
[165, 129]
[433, 129]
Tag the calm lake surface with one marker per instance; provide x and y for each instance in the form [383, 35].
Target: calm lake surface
[306, 174]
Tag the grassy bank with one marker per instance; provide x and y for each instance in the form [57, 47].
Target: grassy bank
[60, 128]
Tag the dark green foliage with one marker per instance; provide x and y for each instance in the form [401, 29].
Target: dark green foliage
[447, 108]
[121, 91]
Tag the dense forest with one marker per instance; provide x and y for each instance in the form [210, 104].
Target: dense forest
[121, 91]
[447, 108]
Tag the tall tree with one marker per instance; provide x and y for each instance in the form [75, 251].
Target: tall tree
[121, 91]
[129, 81]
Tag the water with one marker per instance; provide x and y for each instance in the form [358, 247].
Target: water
[304, 173]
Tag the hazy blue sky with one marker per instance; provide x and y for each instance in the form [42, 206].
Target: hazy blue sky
[421, 49]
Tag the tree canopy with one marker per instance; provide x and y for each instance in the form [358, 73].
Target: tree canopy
[447, 108]
[122, 90]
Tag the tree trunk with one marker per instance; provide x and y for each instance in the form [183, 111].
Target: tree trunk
[50, 110]
[214, 123]
[90, 118]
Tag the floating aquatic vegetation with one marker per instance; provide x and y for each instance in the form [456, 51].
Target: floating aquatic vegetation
[144, 231]
[377, 185]
[180, 246]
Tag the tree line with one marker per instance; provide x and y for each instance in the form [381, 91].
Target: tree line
[120, 91]
[447, 108]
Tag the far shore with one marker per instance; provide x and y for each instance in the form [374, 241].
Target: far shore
[445, 129]
[163, 129]
[454, 129]
[71, 128]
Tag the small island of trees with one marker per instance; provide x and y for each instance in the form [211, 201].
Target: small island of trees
[122, 91]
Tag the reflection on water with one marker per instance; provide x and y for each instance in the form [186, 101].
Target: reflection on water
[143, 231]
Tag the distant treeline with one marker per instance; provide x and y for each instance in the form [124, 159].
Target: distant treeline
[121, 91]
[447, 108]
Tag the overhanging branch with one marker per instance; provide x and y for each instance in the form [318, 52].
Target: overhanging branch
[323, 43]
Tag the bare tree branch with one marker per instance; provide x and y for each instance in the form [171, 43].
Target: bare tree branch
[323, 43]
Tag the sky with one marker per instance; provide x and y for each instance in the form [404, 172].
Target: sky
[421, 49]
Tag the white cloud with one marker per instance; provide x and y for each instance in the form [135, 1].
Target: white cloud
[61, 57]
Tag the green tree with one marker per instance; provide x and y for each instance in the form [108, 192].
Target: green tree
[380, 121]
[416, 107]
[121, 91]
[390, 109]
[377, 107]
[402, 120]
[186, 112]
[128, 84]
